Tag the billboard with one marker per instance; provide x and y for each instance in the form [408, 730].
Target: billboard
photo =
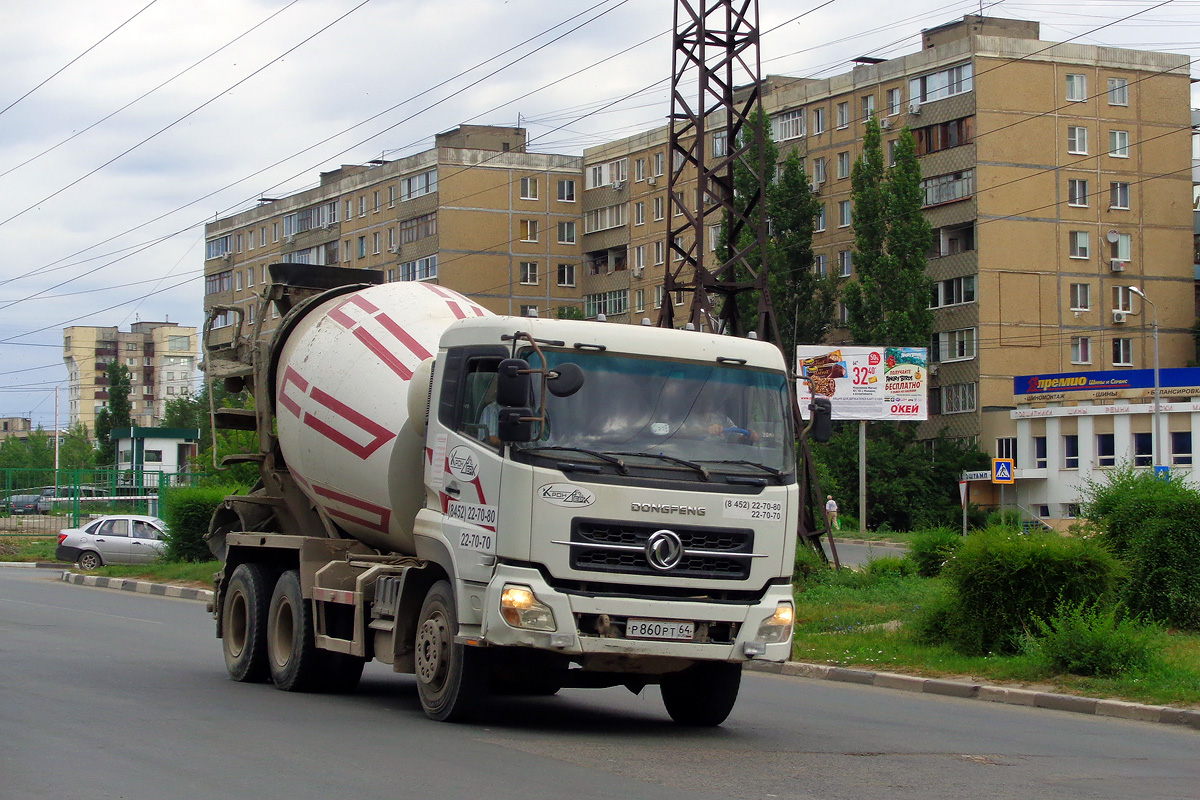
[881, 383]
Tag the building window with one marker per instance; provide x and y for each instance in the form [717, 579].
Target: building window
[602, 219]
[1122, 248]
[843, 115]
[958, 398]
[1077, 192]
[944, 83]
[419, 270]
[956, 345]
[639, 213]
[658, 209]
[659, 253]
[1118, 144]
[820, 267]
[843, 213]
[1106, 450]
[392, 196]
[1122, 298]
[659, 295]
[1081, 350]
[948, 188]
[529, 273]
[818, 170]
[845, 263]
[639, 170]
[418, 185]
[639, 257]
[566, 191]
[1071, 451]
[658, 165]
[215, 248]
[218, 282]
[1076, 87]
[566, 274]
[529, 230]
[891, 151]
[362, 205]
[529, 189]
[843, 314]
[953, 292]
[1181, 447]
[1118, 92]
[843, 165]
[1118, 195]
[417, 228]
[362, 247]
[1081, 296]
[819, 219]
[1079, 244]
[1039, 453]
[1143, 450]
[607, 303]
[639, 300]
[1006, 447]
[375, 202]
[895, 97]
[868, 107]
[789, 125]
[818, 120]
[1122, 352]
[1077, 140]
[566, 233]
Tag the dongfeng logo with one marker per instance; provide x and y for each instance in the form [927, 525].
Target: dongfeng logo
[462, 464]
[566, 495]
[664, 550]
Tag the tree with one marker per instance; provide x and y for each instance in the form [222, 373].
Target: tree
[114, 416]
[77, 450]
[569, 312]
[888, 301]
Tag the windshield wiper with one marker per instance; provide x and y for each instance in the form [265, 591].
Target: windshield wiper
[771, 470]
[689, 464]
[618, 463]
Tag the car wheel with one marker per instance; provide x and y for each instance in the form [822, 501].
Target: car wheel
[89, 561]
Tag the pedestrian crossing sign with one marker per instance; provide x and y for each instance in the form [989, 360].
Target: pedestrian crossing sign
[1002, 470]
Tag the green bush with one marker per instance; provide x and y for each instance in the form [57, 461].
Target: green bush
[1008, 519]
[931, 549]
[889, 567]
[1001, 581]
[1087, 639]
[808, 562]
[187, 513]
[1154, 525]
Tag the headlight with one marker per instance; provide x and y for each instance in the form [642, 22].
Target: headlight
[778, 626]
[520, 608]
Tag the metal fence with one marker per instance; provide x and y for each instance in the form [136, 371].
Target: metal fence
[45, 501]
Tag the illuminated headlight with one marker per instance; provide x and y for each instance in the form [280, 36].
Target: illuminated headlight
[520, 608]
[778, 626]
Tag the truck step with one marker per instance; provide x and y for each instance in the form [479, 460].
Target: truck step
[236, 419]
[242, 458]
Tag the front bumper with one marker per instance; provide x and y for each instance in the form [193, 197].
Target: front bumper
[594, 625]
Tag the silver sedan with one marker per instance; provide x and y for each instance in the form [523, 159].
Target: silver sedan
[115, 539]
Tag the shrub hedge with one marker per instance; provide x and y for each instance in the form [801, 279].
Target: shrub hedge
[1000, 582]
[931, 549]
[1092, 640]
[187, 512]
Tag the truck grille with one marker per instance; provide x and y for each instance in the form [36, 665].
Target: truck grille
[620, 548]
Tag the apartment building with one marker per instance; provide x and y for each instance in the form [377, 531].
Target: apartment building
[477, 213]
[161, 357]
[1056, 176]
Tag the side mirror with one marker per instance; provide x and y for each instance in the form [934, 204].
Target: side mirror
[565, 380]
[510, 427]
[822, 418]
[513, 383]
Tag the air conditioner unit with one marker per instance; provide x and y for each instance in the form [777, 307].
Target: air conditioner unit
[227, 255]
[289, 239]
[1118, 265]
[1119, 316]
[637, 271]
[885, 123]
[815, 186]
[651, 181]
[395, 249]
[618, 185]
[914, 107]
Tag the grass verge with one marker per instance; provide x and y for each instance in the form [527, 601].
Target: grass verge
[854, 620]
[41, 548]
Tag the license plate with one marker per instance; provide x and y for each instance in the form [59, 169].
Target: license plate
[659, 629]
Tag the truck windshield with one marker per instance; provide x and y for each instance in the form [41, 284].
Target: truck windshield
[729, 418]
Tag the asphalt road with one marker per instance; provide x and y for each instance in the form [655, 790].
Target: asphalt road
[111, 694]
[855, 555]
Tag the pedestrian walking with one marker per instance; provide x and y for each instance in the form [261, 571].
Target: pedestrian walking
[831, 510]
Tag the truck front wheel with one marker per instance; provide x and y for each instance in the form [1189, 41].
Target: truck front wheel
[449, 676]
[244, 623]
[703, 694]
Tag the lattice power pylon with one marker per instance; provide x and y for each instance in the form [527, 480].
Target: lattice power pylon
[716, 51]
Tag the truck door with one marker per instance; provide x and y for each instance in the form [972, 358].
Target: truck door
[470, 477]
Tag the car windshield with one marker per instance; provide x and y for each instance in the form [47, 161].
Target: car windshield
[730, 418]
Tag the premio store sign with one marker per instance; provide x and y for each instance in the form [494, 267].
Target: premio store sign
[1106, 384]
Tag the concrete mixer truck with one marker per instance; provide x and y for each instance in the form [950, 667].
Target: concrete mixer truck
[500, 504]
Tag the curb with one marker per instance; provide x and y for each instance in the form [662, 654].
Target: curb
[976, 691]
[32, 564]
[142, 587]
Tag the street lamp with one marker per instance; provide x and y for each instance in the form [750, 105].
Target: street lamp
[1156, 437]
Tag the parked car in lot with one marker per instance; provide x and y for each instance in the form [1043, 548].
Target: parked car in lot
[114, 539]
[62, 497]
[22, 504]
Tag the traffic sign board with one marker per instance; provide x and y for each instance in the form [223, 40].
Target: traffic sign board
[976, 475]
[1002, 470]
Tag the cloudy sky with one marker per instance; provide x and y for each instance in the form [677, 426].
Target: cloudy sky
[125, 125]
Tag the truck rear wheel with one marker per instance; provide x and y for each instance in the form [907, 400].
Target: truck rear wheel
[244, 623]
[703, 694]
[291, 652]
[450, 676]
